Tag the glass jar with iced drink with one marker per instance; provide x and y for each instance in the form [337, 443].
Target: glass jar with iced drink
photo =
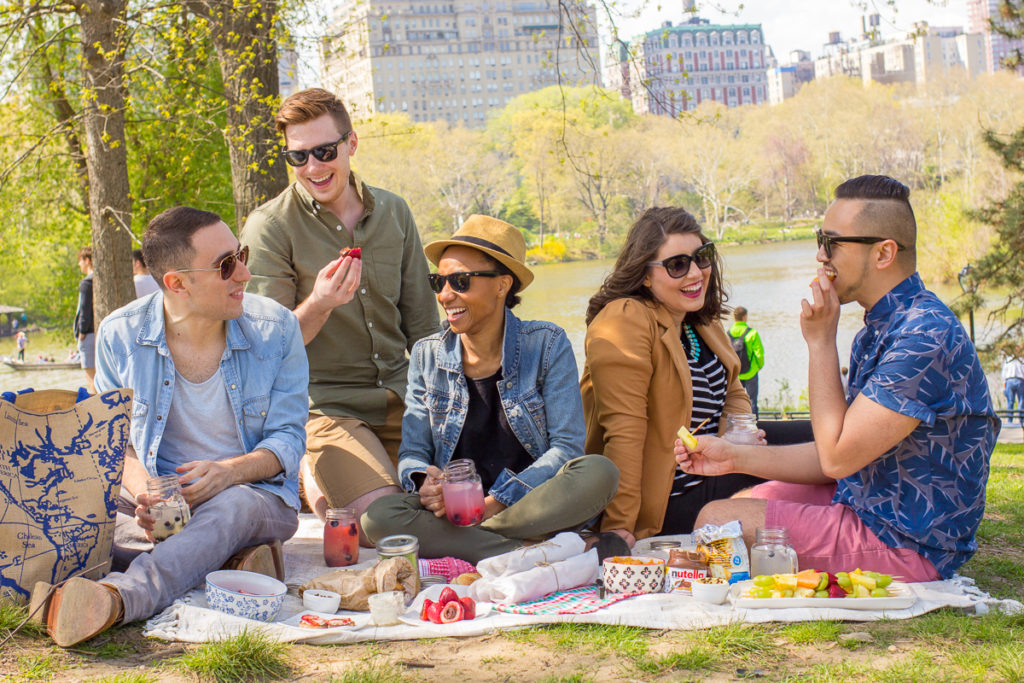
[772, 553]
[341, 537]
[463, 493]
[741, 428]
[167, 506]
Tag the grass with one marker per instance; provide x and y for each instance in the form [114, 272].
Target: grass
[375, 672]
[128, 677]
[249, 656]
[37, 667]
[12, 615]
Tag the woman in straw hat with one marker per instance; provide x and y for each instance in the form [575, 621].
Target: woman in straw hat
[501, 392]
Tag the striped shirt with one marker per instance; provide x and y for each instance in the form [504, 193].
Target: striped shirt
[709, 381]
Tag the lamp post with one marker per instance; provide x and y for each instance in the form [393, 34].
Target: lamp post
[968, 285]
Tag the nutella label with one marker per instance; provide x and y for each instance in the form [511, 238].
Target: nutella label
[677, 579]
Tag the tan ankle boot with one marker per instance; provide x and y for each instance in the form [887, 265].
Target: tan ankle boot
[82, 609]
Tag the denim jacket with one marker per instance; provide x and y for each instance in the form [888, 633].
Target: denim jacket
[264, 368]
[539, 392]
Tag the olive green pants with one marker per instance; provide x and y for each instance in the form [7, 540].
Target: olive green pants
[577, 493]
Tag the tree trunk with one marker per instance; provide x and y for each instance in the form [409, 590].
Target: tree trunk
[244, 35]
[110, 203]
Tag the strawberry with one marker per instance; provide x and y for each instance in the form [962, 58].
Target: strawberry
[836, 591]
[434, 612]
[469, 606]
[452, 612]
[426, 607]
[448, 595]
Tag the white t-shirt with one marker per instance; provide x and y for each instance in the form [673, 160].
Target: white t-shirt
[1013, 368]
[145, 284]
[200, 425]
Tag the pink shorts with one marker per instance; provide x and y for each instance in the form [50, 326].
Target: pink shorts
[832, 537]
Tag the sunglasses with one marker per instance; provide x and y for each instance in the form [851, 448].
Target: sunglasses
[679, 265]
[459, 282]
[328, 152]
[826, 241]
[226, 265]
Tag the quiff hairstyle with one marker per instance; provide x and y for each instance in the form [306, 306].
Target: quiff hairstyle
[642, 244]
[312, 103]
[885, 211]
[167, 242]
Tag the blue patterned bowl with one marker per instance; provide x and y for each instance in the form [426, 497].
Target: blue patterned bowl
[245, 594]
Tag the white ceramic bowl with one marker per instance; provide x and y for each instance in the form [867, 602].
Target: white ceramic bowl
[713, 593]
[634, 574]
[245, 594]
[320, 600]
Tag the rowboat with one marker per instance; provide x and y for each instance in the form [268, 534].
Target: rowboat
[20, 366]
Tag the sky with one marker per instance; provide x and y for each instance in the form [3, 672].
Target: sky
[801, 24]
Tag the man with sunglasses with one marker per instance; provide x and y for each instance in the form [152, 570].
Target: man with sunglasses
[895, 478]
[359, 317]
[219, 380]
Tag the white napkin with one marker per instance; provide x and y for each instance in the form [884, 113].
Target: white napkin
[523, 586]
[562, 546]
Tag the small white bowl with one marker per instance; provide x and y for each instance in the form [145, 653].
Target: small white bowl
[245, 594]
[320, 600]
[633, 574]
[713, 593]
[387, 608]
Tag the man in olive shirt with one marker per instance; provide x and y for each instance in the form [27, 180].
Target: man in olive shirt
[359, 317]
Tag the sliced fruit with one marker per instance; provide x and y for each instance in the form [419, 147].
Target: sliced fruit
[469, 606]
[688, 439]
[821, 594]
[807, 579]
[784, 582]
[843, 579]
[426, 607]
[836, 591]
[803, 593]
[764, 580]
[879, 593]
[448, 595]
[824, 579]
[860, 591]
[860, 579]
[452, 612]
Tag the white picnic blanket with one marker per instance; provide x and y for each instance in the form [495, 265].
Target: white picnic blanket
[190, 620]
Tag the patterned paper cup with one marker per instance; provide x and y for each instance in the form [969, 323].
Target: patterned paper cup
[634, 574]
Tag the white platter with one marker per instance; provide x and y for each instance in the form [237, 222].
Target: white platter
[901, 597]
[361, 619]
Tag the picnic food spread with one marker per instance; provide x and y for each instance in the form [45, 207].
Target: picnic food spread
[449, 608]
[314, 621]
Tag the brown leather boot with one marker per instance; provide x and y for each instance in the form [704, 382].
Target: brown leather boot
[80, 610]
[266, 559]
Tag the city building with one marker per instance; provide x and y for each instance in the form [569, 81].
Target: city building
[784, 80]
[675, 68]
[997, 46]
[459, 60]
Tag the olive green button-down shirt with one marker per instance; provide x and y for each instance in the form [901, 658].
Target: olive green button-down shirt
[362, 348]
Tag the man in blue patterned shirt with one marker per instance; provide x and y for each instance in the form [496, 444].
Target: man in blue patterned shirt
[895, 478]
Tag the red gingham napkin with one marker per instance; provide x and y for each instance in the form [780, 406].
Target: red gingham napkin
[448, 567]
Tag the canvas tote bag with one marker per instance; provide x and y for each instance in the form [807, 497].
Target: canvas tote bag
[60, 475]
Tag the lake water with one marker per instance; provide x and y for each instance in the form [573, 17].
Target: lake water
[768, 279]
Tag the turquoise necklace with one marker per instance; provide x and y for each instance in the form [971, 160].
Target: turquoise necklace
[691, 336]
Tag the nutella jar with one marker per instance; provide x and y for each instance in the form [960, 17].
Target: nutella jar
[683, 567]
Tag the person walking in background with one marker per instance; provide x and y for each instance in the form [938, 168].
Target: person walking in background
[359, 316]
[1013, 385]
[746, 342]
[21, 339]
[144, 282]
[84, 330]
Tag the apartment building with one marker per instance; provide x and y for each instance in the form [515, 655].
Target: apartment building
[784, 80]
[997, 46]
[675, 68]
[456, 61]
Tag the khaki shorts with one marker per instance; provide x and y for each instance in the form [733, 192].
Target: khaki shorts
[349, 458]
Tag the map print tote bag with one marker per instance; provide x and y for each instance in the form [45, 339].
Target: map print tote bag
[60, 475]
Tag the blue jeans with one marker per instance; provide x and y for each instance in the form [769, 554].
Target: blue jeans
[237, 517]
[1014, 392]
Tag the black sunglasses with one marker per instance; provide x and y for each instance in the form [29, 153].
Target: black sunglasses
[459, 282]
[826, 241]
[328, 152]
[679, 265]
[226, 265]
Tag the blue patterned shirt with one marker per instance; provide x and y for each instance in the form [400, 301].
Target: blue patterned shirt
[927, 493]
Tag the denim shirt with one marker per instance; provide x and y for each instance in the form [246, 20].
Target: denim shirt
[539, 392]
[264, 369]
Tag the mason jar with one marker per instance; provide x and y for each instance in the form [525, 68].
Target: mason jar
[167, 506]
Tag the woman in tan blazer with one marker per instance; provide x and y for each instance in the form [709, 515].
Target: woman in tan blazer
[657, 358]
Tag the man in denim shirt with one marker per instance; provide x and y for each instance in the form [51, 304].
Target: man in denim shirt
[895, 478]
[219, 380]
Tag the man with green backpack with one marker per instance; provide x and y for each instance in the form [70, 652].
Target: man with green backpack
[747, 344]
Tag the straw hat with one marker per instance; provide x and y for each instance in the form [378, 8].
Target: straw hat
[499, 240]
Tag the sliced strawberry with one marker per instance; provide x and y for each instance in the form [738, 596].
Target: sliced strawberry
[836, 591]
[469, 606]
[426, 606]
[448, 595]
[434, 612]
[357, 252]
[452, 612]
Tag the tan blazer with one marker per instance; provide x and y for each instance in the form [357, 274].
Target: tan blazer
[636, 394]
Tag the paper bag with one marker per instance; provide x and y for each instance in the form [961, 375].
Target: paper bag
[355, 585]
[60, 474]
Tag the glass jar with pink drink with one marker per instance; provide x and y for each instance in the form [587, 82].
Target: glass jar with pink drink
[341, 537]
[463, 493]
